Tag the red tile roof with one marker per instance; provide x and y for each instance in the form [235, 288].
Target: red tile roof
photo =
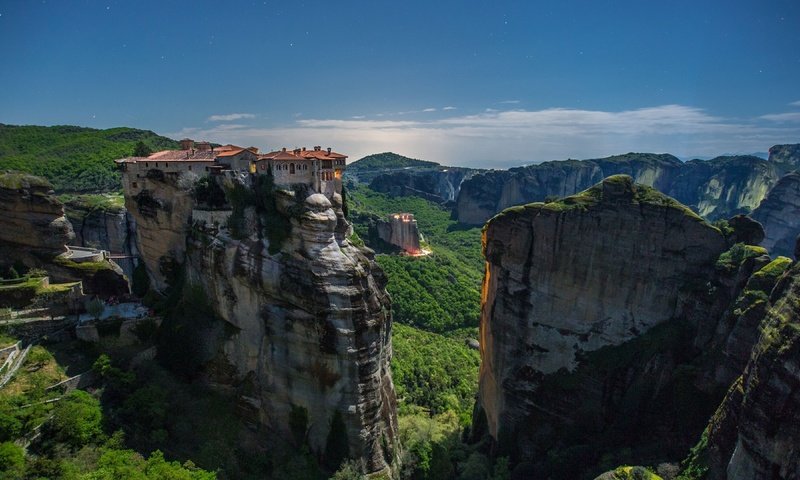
[231, 153]
[184, 155]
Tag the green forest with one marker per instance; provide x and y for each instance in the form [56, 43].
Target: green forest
[74, 159]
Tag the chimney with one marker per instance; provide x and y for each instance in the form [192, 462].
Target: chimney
[203, 146]
[329, 150]
[284, 149]
[317, 148]
[304, 149]
[187, 144]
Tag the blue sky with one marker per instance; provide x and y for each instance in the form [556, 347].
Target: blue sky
[478, 83]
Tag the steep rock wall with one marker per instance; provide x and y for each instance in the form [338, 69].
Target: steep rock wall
[593, 308]
[111, 230]
[717, 188]
[779, 213]
[755, 432]
[439, 185]
[401, 231]
[34, 228]
[309, 320]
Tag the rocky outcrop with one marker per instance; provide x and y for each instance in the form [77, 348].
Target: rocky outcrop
[755, 432]
[787, 156]
[307, 322]
[34, 228]
[401, 231]
[779, 213]
[715, 189]
[595, 309]
[440, 184]
[110, 229]
[162, 214]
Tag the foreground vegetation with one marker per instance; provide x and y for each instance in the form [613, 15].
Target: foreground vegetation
[439, 292]
[74, 159]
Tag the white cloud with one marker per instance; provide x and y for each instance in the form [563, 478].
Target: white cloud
[782, 117]
[229, 117]
[449, 107]
[795, 104]
[509, 102]
[499, 139]
[429, 110]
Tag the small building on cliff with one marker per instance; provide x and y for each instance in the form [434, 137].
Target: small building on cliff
[318, 168]
[401, 231]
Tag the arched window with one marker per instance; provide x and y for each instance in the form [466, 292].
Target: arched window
[291, 168]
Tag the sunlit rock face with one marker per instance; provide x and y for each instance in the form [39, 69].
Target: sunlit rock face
[307, 316]
[401, 231]
[34, 228]
[717, 188]
[779, 214]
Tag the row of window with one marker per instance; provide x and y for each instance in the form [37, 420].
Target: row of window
[166, 165]
[290, 167]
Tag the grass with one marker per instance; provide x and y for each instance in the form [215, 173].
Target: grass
[16, 181]
[738, 254]
[83, 266]
[80, 205]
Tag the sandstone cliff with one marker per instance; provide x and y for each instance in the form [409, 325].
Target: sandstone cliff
[34, 228]
[307, 322]
[715, 189]
[110, 229]
[755, 432]
[601, 320]
[440, 184]
[779, 213]
[401, 231]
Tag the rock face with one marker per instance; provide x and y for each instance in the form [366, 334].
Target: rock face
[755, 432]
[571, 277]
[440, 185]
[306, 313]
[715, 189]
[111, 230]
[786, 155]
[34, 228]
[779, 213]
[401, 231]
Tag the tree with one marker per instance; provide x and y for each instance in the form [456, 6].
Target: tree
[141, 150]
[77, 419]
[12, 461]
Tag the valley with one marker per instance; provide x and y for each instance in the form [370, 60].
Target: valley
[611, 312]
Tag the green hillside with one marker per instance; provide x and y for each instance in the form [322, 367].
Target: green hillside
[439, 292]
[388, 160]
[74, 159]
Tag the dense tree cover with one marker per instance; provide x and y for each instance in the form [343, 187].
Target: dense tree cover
[74, 158]
[438, 292]
[434, 372]
[74, 442]
[388, 160]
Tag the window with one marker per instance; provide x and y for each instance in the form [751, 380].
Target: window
[190, 167]
[135, 185]
[147, 165]
[291, 169]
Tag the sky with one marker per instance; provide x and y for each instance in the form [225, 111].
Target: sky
[487, 84]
